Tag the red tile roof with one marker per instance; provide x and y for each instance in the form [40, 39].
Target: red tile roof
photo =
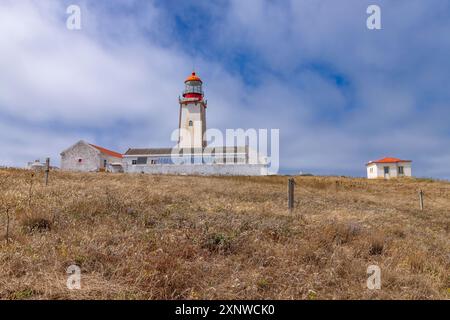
[106, 151]
[388, 160]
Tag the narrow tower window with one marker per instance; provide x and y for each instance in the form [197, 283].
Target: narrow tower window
[191, 123]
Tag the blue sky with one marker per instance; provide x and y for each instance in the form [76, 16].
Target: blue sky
[340, 94]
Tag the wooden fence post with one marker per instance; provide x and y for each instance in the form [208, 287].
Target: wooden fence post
[7, 225]
[291, 183]
[421, 199]
[47, 170]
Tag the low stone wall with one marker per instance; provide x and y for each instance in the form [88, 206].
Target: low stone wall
[207, 169]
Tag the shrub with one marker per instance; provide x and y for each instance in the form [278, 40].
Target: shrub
[376, 244]
[36, 224]
[263, 284]
[218, 243]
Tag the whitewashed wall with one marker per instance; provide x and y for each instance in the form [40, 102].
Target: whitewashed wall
[408, 169]
[372, 171]
[192, 169]
[109, 160]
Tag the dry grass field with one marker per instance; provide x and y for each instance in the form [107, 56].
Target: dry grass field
[175, 237]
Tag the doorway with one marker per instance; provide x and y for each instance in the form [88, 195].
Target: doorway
[386, 173]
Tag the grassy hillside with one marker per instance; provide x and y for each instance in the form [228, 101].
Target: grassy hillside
[171, 237]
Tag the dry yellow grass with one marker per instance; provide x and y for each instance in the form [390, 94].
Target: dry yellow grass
[173, 237]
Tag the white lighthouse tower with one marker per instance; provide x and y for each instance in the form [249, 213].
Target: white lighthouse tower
[192, 121]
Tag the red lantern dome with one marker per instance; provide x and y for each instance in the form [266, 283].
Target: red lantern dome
[193, 77]
[193, 87]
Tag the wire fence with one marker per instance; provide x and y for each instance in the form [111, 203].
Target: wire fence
[420, 201]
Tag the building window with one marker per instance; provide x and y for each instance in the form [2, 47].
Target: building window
[386, 170]
[133, 161]
[191, 123]
[371, 170]
[400, 170]
[165, 160]
[141, 160]
[105, 163]
[153, 162]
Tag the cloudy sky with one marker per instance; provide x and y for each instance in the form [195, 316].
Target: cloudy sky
[340, 94]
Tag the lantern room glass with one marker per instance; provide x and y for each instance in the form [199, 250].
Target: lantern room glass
[193, 87]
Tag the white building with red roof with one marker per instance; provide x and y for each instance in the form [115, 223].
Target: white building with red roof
[388, 168]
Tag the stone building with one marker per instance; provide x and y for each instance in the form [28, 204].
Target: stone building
[87, 157]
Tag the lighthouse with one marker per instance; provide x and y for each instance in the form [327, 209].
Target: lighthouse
[192, 119]
[191, 155]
